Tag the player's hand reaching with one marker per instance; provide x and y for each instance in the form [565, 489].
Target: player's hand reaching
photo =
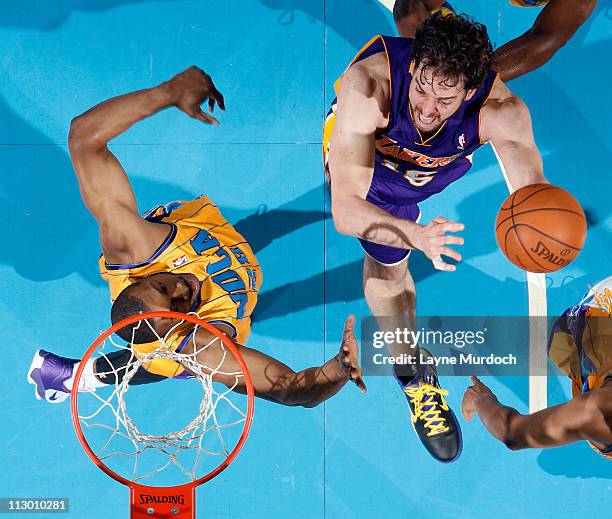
[349, 354]
[190, 89]
[472, 397]
[433, 241]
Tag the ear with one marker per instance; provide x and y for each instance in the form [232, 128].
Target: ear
[470, 94]
[134, 279]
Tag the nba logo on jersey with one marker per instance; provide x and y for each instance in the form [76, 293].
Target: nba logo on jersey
[461, 141]
[179, 261]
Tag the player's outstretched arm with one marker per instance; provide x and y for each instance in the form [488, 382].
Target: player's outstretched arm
[351, 161]
[505, 122]
[105, 188]
[408, 15]
[582, 418]
[555, 25]
[276, 381]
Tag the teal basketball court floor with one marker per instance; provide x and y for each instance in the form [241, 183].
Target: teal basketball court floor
[356, 456]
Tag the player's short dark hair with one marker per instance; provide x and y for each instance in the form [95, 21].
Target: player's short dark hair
[455, 46]
[126, 306]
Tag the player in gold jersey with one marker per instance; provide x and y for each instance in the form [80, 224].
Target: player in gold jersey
[580, 345]
[183, 256]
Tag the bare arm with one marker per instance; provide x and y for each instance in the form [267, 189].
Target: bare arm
[351, 159]
[276, 381]
[581, 418]
[555, 25]
[409, 14]
[104, 185]
[360, 112]
[506, 123]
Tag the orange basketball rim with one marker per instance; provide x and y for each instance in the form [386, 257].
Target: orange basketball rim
[156, 501]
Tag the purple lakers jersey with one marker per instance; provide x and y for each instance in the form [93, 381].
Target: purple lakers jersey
[408, 168]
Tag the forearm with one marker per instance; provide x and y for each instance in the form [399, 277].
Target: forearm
[555, 25]
[100, 124]
[497, 419]
[357, 217]
[311, 386]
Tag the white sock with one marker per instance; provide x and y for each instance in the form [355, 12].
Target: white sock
[88, 382]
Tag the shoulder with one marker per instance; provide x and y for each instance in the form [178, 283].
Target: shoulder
[370, 76]
[503, 113]
[365, 90]
[125, 237]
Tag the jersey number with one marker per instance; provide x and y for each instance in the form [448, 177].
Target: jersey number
[220, 272]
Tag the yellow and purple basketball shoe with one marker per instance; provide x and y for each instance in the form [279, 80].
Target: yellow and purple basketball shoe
[433, 420]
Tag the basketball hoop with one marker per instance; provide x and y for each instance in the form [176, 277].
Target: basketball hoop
[177, 501]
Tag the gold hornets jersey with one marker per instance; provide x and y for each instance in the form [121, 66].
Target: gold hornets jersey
[581, 343]
[201, 242]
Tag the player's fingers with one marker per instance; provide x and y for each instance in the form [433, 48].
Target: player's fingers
[361, 384]
[447, 251]
[218, 96]
[468, 415]
[439, 264]
[349, 324]
[440, 219]
[452, 240]
[449, 227]
[478, 385]
[205, 118]
[211, 105]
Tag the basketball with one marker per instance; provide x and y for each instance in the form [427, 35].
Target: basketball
[540, 228]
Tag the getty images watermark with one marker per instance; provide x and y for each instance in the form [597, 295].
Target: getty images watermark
[455, 345]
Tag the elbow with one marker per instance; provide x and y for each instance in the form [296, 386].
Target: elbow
[341, 220]
[82, 136]
[311, 404]
[513, 438]
[77, 132]
[548, 43]
[512, 444]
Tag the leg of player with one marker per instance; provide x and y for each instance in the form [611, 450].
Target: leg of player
[53, 375]
[390, 292]
[276, 381]
[553, 28]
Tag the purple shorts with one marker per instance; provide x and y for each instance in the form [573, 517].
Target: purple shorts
[379, 194]
[384, 254]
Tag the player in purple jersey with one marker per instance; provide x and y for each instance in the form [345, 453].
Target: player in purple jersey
[408, 116]
[552, 29]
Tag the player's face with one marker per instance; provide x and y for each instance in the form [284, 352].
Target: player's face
[166, 291]
[433, 99]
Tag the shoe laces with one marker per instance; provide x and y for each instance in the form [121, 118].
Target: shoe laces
[424, 399]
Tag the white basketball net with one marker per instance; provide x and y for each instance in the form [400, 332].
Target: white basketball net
[173, 444]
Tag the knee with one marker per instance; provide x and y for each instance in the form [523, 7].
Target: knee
[388, 273]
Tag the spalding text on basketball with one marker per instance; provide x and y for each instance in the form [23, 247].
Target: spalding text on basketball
[545, 253]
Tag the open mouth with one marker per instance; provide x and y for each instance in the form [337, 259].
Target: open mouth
[426, 121]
